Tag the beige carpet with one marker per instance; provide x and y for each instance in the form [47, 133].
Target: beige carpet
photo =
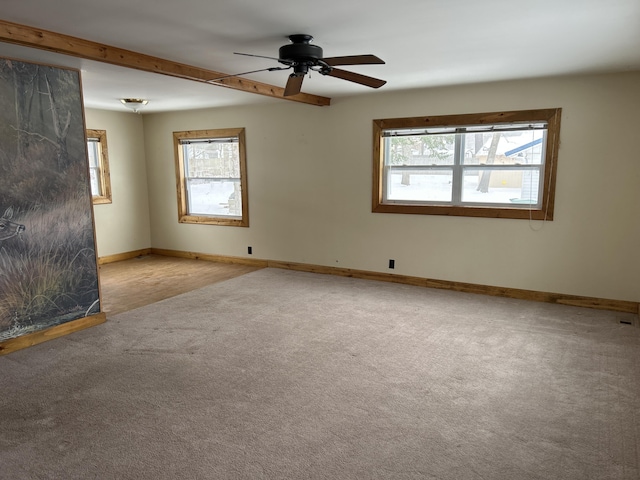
[288, 375]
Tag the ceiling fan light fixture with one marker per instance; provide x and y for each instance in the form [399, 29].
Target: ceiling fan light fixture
[135, 104]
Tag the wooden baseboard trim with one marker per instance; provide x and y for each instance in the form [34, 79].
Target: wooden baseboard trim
[210, 258]
[118, 257]
[546, 297]
[30, 339]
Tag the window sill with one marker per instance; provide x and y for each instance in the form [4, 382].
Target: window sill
[230, 222]
[467, 211]
[101, 200]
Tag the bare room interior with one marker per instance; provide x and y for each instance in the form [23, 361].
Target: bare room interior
[421, 263]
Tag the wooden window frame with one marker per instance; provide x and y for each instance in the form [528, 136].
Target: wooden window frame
[103, 167]
[544, 212]
[183, 211]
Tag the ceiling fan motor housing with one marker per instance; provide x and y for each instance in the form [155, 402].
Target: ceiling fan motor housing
[300, 50]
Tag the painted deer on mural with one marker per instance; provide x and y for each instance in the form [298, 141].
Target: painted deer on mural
[8, 228]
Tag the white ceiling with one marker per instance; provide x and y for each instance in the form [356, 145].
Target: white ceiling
[424, 42]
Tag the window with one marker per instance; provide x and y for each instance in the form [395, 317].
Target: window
[499, 164]
[99, 166]
[212, 177]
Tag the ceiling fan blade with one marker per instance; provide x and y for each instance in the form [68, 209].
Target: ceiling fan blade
[286, 62]
[252, 55]
[355, 77]
[272, 69]
[294, 85]
[353, 60]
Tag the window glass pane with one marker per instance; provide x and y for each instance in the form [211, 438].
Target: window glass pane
[520, 147]
[94, 167]
[95, 182]
[431, 185]
[212, 160]
[92, 149]
[214, 197]
[499, 186]
[513, 187]
[213, 179]
[420, 150]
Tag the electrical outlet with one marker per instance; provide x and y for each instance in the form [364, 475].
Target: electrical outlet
[250, 250]
[392, 264]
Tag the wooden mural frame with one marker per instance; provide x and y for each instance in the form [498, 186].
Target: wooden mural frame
[49, 282]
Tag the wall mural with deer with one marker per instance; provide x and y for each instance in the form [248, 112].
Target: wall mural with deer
[48, 268]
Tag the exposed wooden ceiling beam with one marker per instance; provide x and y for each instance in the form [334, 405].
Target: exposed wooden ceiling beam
[78, 47]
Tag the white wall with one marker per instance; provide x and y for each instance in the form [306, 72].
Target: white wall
[310, 174]
[122, 226]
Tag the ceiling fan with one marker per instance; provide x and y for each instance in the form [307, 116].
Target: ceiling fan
[303, 57]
